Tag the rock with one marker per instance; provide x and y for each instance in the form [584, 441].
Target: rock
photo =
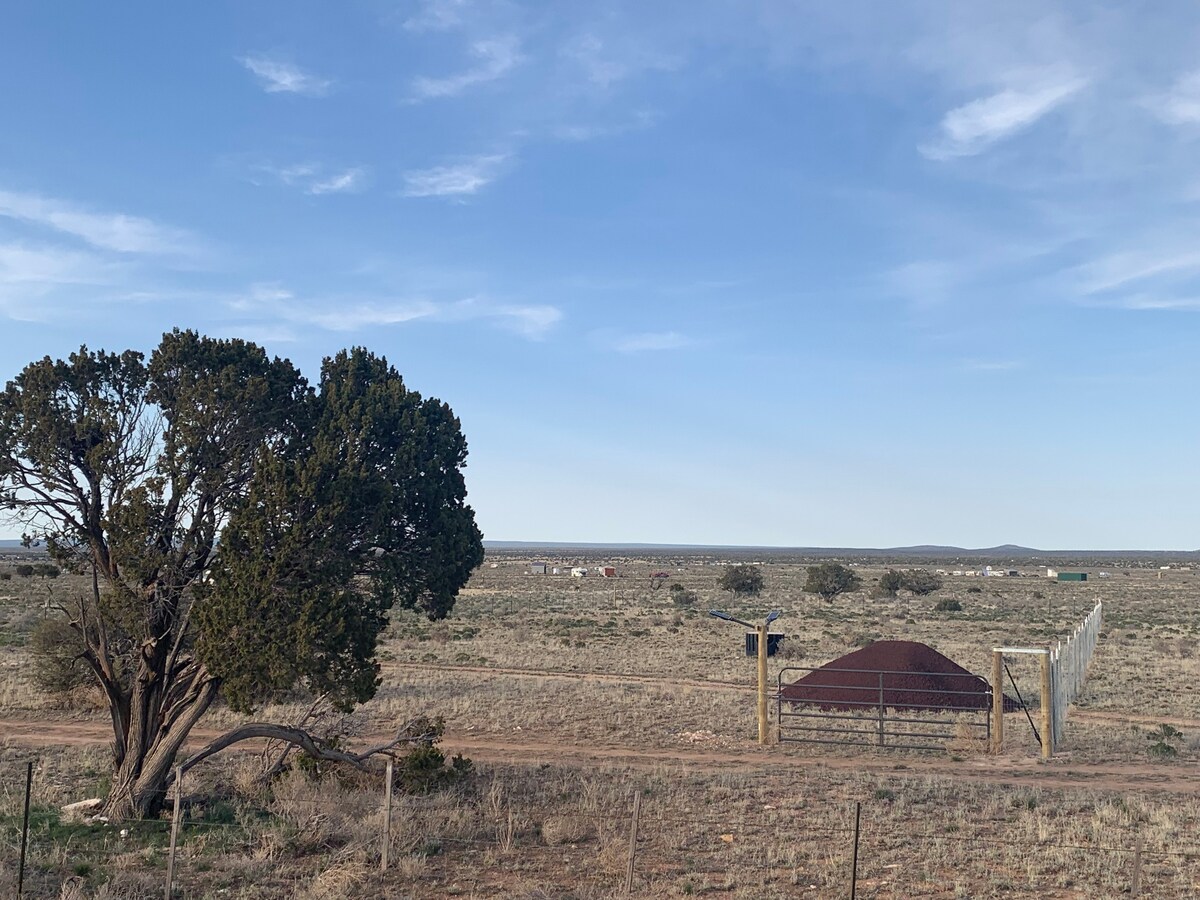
[78, 812]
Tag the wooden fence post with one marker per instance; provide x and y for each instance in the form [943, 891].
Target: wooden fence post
[387, 818]
[633, 833]
[1047, 709]
[1135, 889]
[176, 814]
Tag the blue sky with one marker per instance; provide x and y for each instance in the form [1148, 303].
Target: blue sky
[742, 272]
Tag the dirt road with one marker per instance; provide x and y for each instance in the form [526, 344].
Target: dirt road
[535, 749]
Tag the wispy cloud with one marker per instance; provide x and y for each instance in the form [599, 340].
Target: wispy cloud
[34, 265]
[973, 127]
[579, 132]
[1120, 269]
[439, 15]
[603, 65]
[314, 178]
[1181, 104]
[344, 314]
[497, 57]
[279, 77]
[651, 341]
[459, 179]
[109, 231]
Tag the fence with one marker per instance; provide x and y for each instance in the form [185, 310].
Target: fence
[882, 708]
[1068, 668]
[753, 836]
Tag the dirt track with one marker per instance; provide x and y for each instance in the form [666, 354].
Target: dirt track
[1024, 772]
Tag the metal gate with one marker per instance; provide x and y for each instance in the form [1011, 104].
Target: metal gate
[881, 708]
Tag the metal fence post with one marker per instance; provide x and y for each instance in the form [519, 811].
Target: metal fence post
[25, 828]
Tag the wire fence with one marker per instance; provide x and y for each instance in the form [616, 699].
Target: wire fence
[1068, 668]
[636, 841]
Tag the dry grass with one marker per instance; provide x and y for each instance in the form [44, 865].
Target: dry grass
[548, 830]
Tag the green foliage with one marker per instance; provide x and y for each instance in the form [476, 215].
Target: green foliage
[744, 580]
[828, 580]
[5, 576]
[949, 604]
[891, 582]
[1163, 741]
[25, 571]
[682, 596]
[919, 581]
[421, 769]
[249, 532]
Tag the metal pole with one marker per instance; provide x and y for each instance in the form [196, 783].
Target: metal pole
[997, 701]
[387, 817]
[1047, 711]
[854, 857]
[176, 813]
[25, 828]
[763, 728]
[880, 709]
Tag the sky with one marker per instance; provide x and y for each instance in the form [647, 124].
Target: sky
[742, 272]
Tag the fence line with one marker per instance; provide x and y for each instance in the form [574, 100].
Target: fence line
[744, 847]
[1068, 668]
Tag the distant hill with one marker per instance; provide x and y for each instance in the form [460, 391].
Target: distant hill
[915, 552]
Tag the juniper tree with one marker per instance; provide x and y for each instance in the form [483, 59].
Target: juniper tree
[246, 533]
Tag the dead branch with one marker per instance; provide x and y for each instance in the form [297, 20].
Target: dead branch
[311, 745]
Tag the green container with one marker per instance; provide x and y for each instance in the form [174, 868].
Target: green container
[1072, 576]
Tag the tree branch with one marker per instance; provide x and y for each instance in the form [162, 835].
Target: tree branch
[306, 742]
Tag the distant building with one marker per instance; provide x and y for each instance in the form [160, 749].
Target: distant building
[1051, 573]
[537, 568]
[1072, 576]
[607, 572]
[578, 572]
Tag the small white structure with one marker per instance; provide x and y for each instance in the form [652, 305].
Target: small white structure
[578, 572]
[1051, 573]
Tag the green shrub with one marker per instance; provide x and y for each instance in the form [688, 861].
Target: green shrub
[948, 605]
[744, 580]
[681, 596]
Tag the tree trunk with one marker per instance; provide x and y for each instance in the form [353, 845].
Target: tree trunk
[157, 730]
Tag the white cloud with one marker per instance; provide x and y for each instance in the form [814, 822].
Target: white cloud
[23, 264]
[975, 126]
[340, 183]
[1119, 269]
[497, 57]
[604, 66]
[1152, 302]
[467, 177]
[315, 178]
[439, 15]
[269, 300]
[353, 318]
[277, 77]
[651, 341]
[1180, 105]
[108, 231]
[532, 321]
